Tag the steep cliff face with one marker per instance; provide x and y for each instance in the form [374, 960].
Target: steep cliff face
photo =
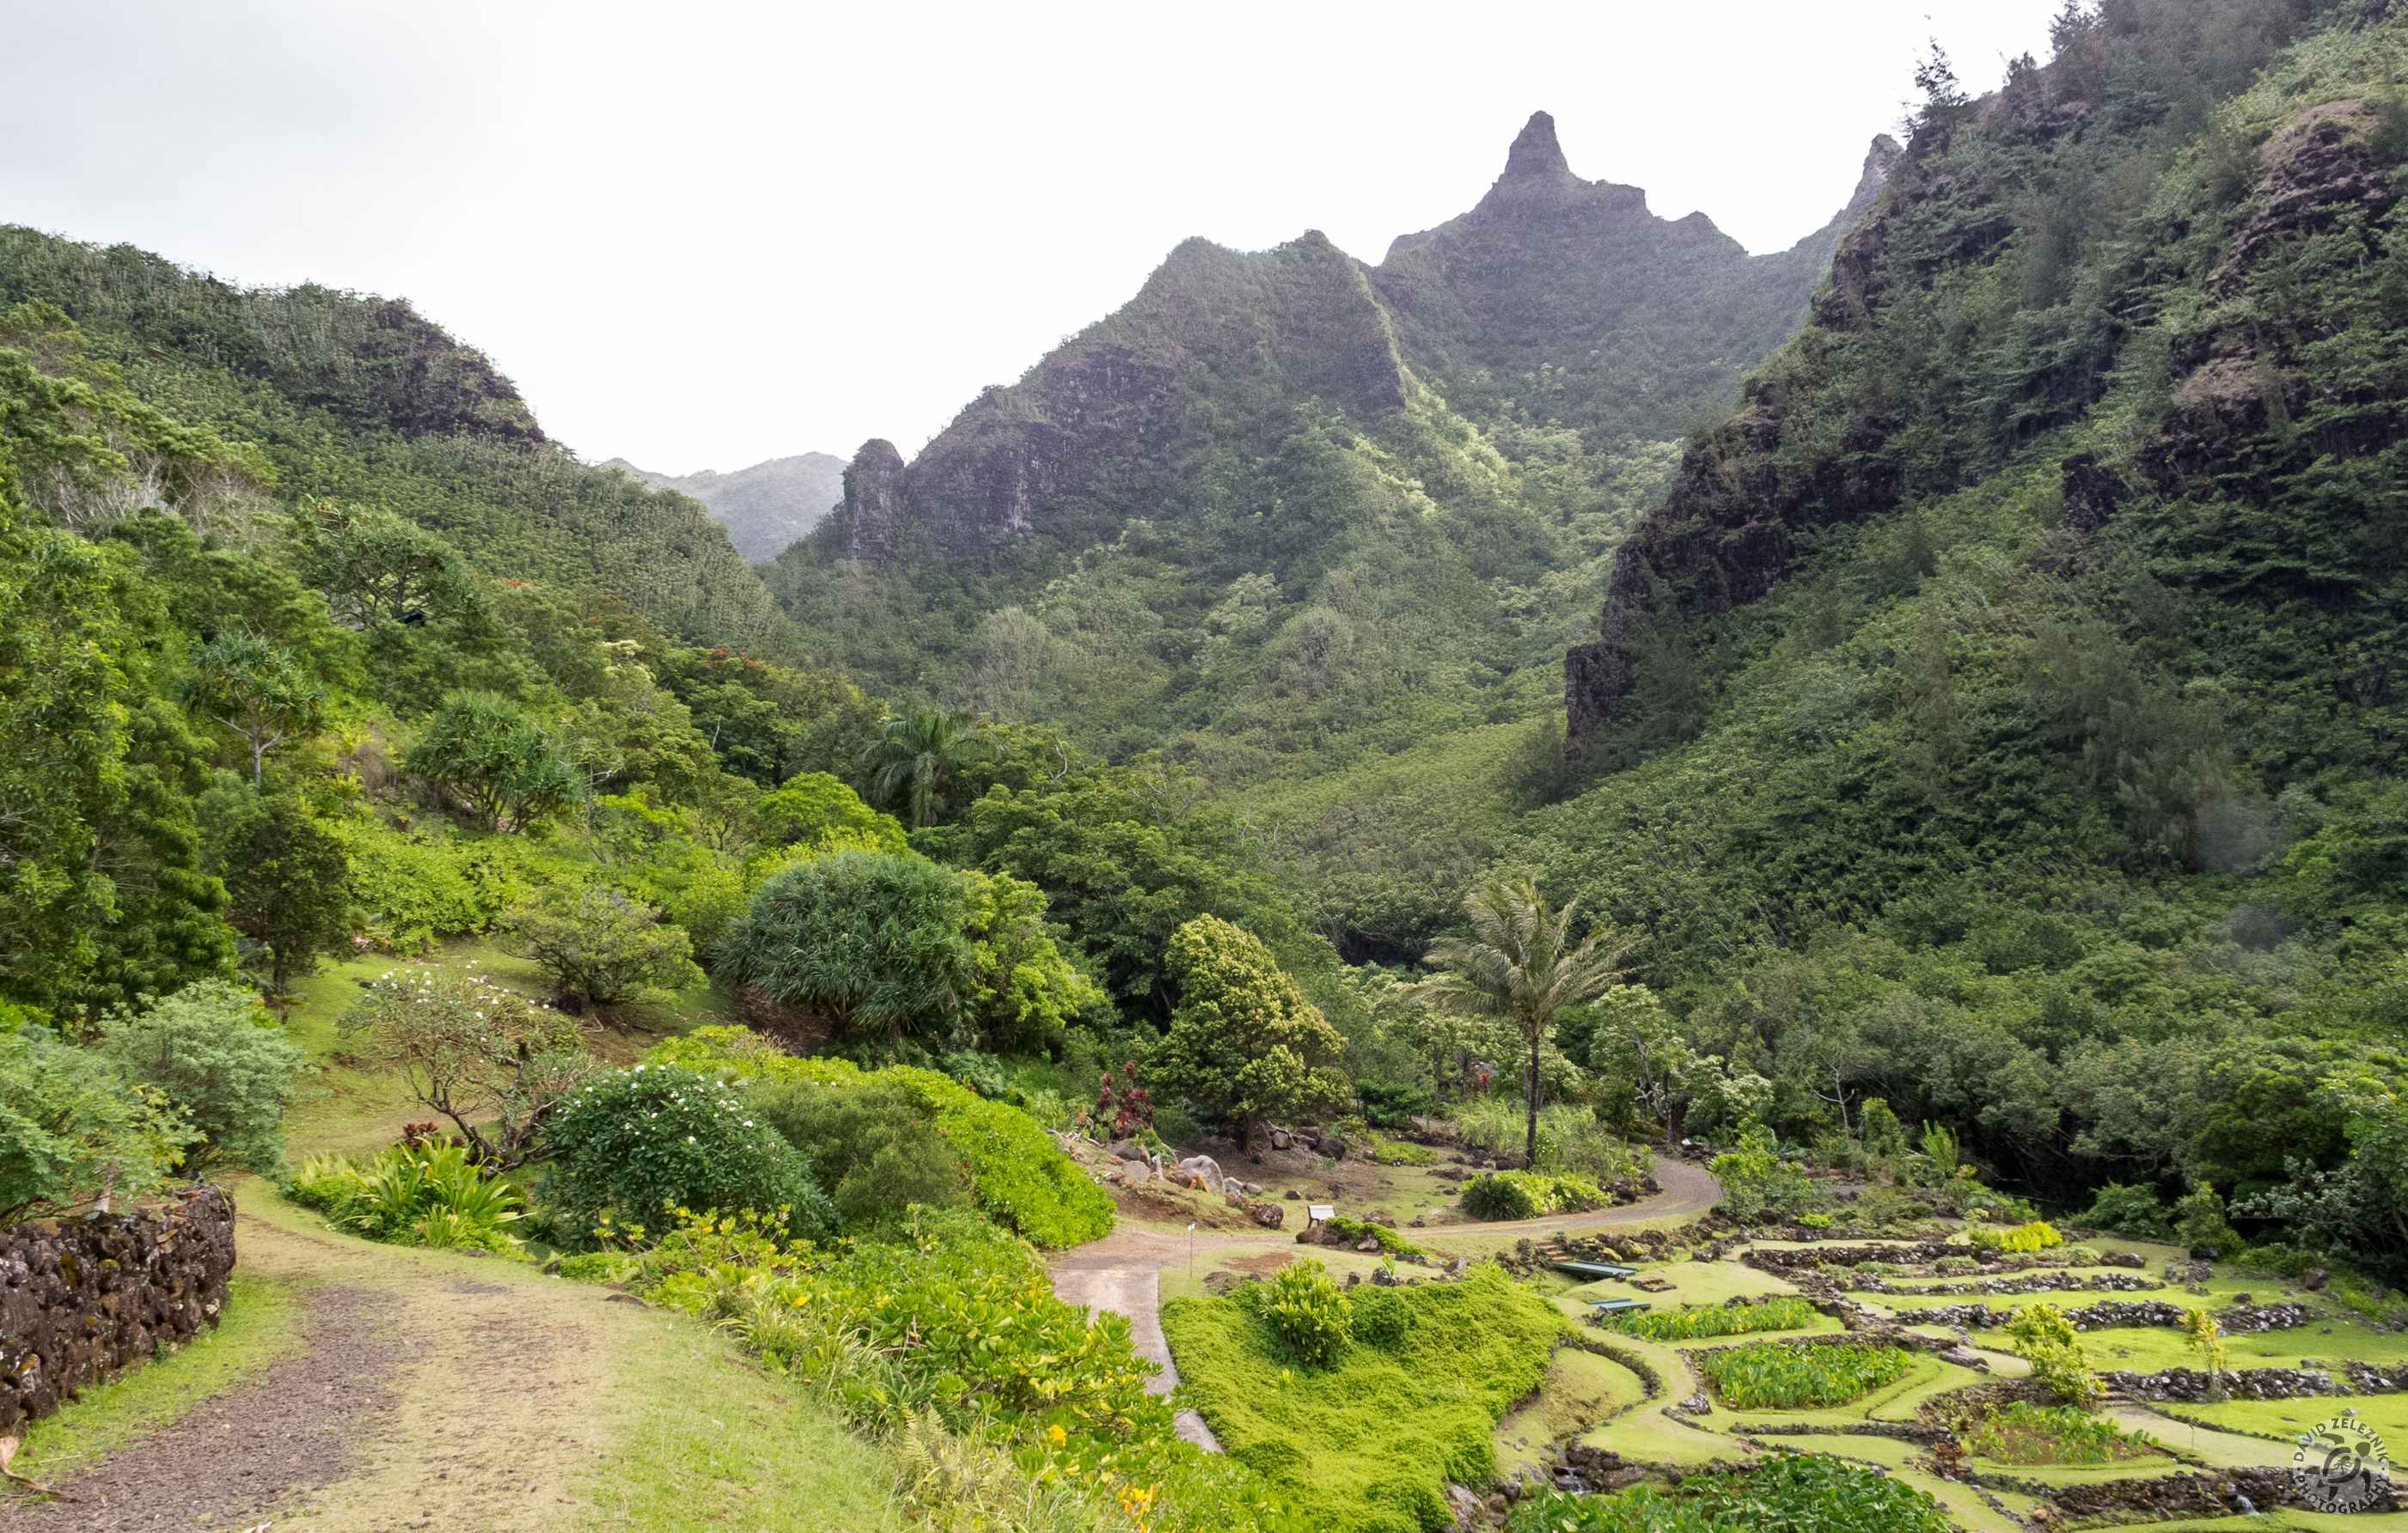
[1097, 429]
[2092, 226]
[375, 362]
[363, 399]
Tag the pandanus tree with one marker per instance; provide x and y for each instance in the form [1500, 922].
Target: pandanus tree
[921, 748]
[1519, 966]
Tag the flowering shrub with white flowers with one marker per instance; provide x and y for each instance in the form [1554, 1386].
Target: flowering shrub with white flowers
[474, 1051]
[636, 1143]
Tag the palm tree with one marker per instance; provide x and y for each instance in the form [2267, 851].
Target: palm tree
[1515, 967]
[922, 745]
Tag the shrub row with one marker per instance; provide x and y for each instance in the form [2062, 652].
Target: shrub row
[1020, 1176]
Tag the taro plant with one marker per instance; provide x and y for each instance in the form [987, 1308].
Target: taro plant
[1778, 1313]
[1769, 1375]
[2024, 1433]
[1798, 1492]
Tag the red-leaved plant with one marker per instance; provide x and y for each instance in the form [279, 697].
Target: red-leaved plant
[1124, 1104]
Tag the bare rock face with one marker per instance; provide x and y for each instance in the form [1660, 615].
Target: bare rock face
[2318, 179]
[871, 521]
[80, 1298]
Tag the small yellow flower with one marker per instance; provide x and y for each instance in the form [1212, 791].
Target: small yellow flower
[1058, 1434]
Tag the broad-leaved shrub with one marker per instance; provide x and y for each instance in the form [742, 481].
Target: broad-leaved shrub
[215, 1051]
[638, 1144]
[1311, 1313]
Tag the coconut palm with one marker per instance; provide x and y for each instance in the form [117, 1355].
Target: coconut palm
[1518, 966]
[921, 746]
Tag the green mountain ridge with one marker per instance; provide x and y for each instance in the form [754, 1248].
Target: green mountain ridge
[357, 398]
[1285, 504]
[764, 507]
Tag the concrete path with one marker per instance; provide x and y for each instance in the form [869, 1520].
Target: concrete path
[1138, 1295]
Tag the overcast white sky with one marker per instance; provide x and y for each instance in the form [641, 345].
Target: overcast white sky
[699, 235]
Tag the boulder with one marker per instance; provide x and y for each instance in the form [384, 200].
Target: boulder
[1370, 1242]
[1205, 1167]
[1233, 1187]
[1136, 1174]
[1268, 1215]
[1254, 1189]
[1281, 1139]
[1293, 1195]
[1130, 1150]
[1332, 1145]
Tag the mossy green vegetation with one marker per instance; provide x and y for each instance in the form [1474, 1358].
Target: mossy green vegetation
[1369, 1441]
[1019, 1174]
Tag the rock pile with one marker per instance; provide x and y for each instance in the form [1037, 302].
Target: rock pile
[2243, 1318]
[1581, 1469]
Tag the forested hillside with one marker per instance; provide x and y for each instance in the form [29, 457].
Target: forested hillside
[360, 399]
[766, 508]
[1999, 716]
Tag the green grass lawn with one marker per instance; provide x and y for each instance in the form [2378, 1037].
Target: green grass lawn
[2386, 1415]
[1580, 1392]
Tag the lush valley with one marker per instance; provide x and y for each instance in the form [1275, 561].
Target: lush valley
[1572, 744]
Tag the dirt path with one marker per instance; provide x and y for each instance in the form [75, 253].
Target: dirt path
[1686, 1191]
[389, 1417]
[1123, 1271]
[437, 1390]
[250, 1451]
[1138, 1295]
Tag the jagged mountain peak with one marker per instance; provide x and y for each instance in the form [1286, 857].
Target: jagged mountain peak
[1536, 155]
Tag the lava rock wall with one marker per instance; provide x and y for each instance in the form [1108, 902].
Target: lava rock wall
[82, 1298]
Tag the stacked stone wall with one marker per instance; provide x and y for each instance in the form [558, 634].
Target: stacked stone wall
[83, 1298]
